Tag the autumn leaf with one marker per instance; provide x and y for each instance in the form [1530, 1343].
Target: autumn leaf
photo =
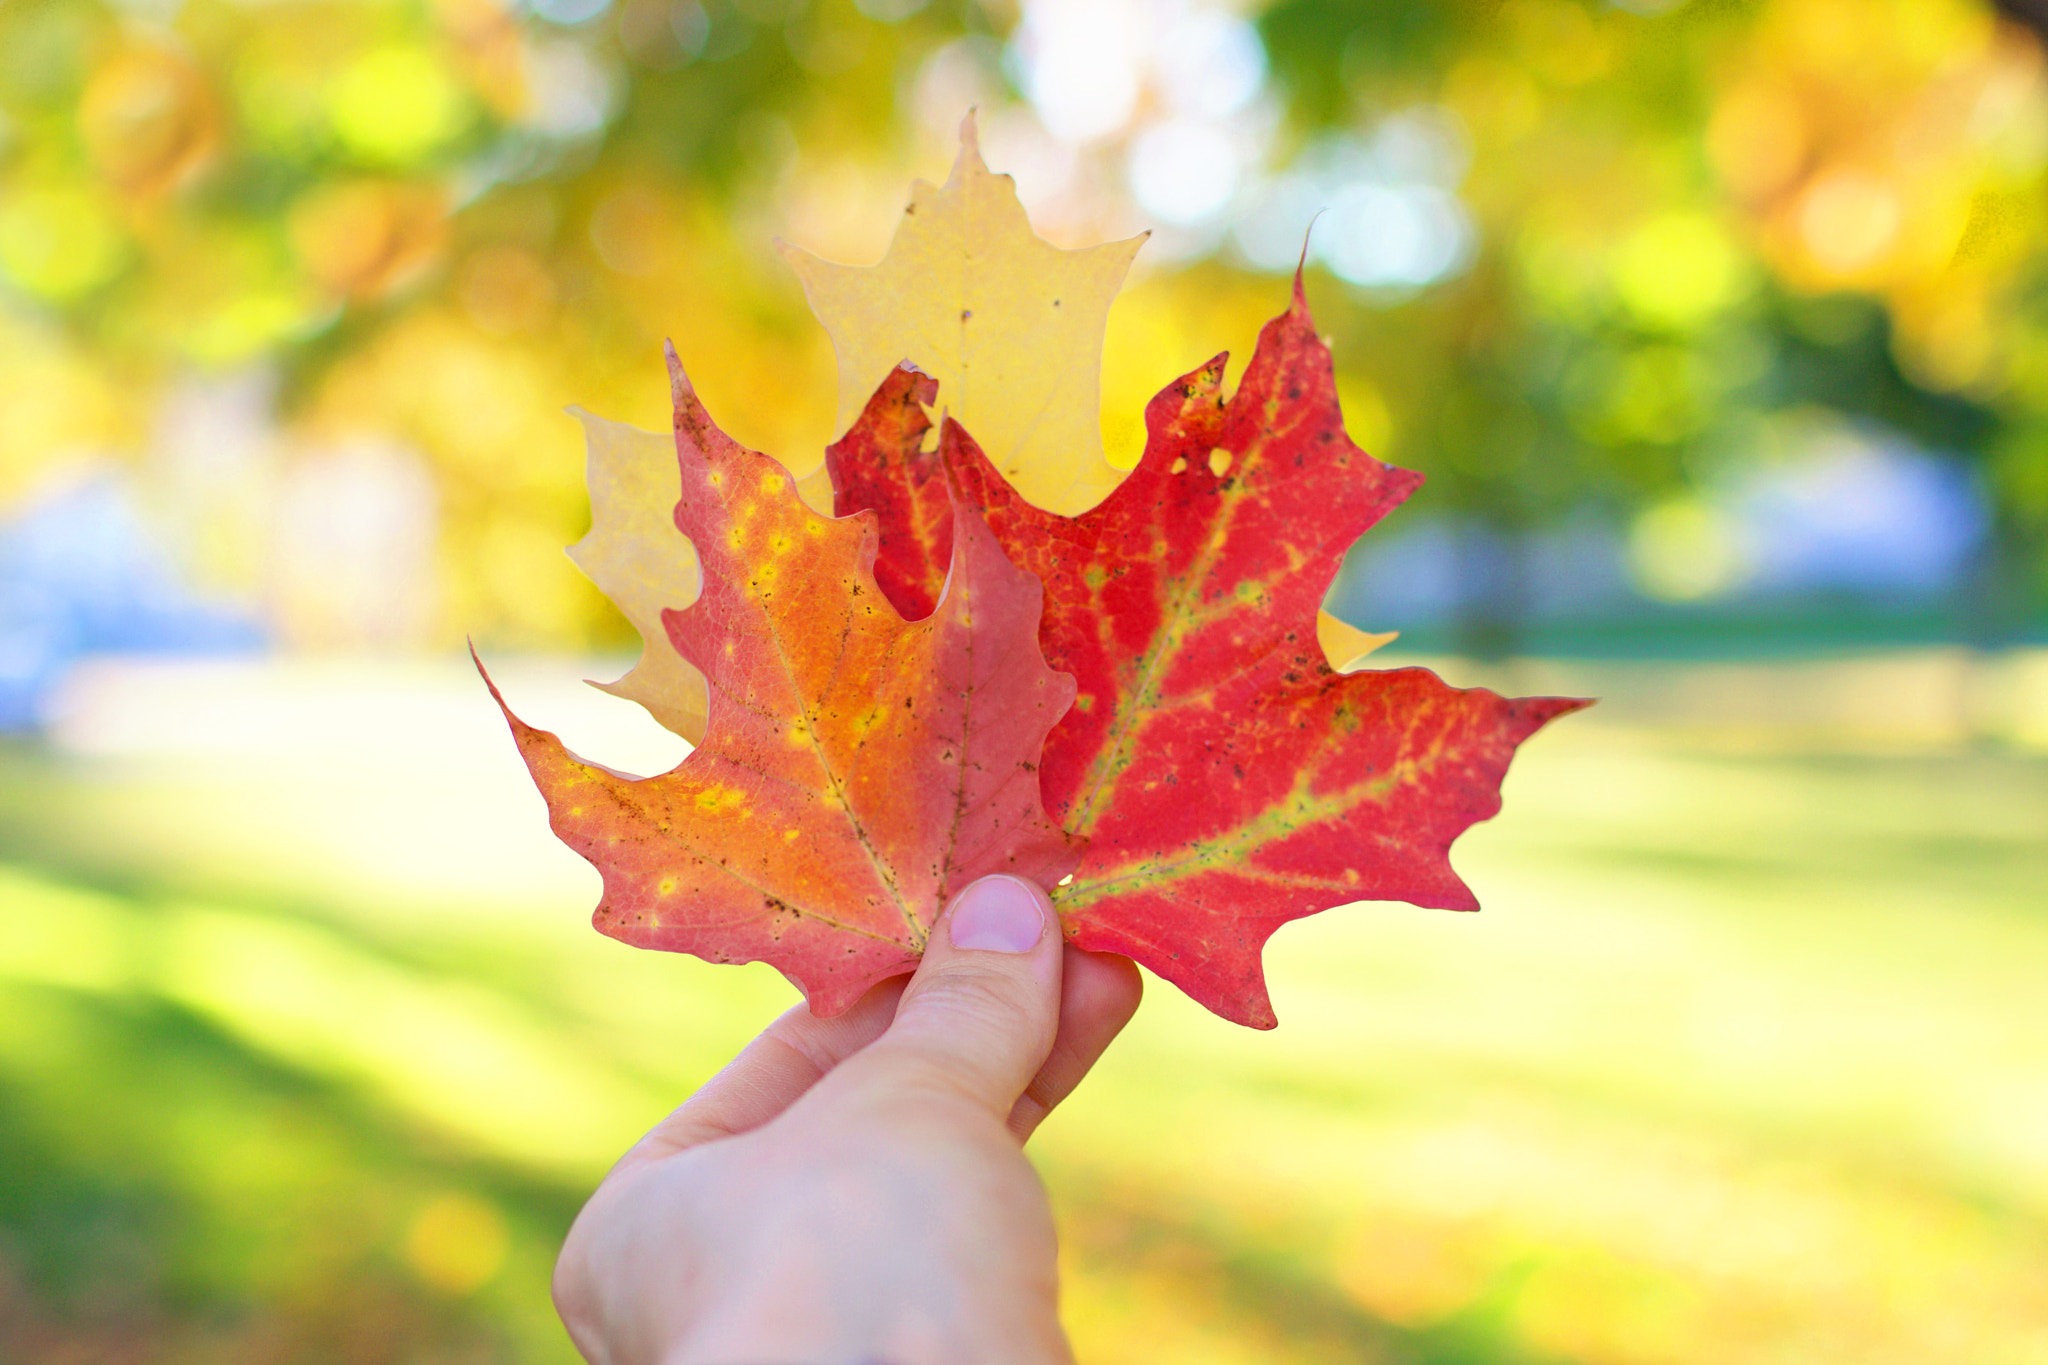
[881, 464]
[856, 769]
[1010, 326]
[635, 558]
[876, 711]
[1227, 777]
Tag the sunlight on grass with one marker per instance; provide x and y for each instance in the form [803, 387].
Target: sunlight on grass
[464, 1060]
[1746, 1059]
[1701, 1084]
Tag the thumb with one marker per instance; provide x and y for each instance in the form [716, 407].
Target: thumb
[979, 1016]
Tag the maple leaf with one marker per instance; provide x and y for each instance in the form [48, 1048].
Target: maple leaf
[1010, 326]
[635, 558]
[856, 769]
[882, 464]
[1227, 777]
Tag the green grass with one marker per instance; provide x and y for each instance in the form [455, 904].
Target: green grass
[1746, 1060]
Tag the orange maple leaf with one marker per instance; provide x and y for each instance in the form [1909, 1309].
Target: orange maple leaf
[856, 769]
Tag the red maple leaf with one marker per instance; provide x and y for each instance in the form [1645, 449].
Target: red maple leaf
[1228, 780]
[880, 465]
[856, 770]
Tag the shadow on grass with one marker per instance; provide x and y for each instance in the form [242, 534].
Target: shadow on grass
[167, 1194]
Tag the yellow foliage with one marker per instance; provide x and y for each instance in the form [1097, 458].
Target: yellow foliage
[1874, 145]
[368, 238]
[148, 119]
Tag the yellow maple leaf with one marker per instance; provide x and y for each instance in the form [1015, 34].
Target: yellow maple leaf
[1034, 341]
[637, 558]
[1010, 325]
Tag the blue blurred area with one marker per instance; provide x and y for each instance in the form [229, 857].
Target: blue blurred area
[81, 573]
[1875, 517]
[1856, 525]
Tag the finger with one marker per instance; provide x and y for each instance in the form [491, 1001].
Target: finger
[978, 1018]
[1099, 992]
[770, 1073]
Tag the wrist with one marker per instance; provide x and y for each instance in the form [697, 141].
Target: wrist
[767, 1328]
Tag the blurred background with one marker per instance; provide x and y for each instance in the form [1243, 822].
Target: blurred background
[1720, 329]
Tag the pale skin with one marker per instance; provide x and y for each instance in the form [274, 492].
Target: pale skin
[854, 1191]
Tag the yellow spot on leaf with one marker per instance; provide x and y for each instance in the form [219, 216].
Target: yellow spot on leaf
[1219, 462]
[719, 797]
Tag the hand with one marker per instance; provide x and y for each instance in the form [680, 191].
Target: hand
[853, 1190]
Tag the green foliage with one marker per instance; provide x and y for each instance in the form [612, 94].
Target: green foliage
[1690, 218]
[1667, 262]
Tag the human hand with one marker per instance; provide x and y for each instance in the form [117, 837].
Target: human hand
[853, 1190]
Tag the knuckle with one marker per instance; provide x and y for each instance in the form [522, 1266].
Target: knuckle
[973, 990]
[966, 1036]
[983, 1011]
